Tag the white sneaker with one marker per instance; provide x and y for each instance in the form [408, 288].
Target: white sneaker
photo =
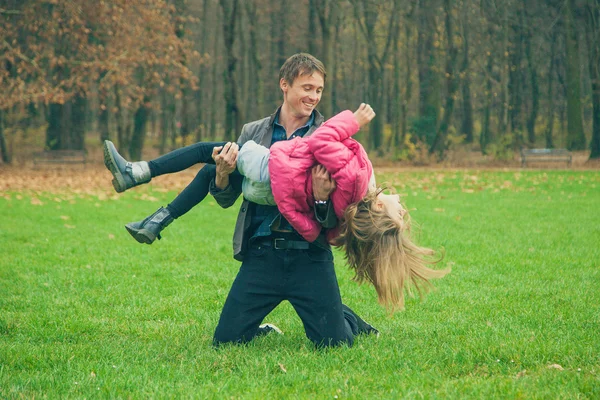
[265, 329]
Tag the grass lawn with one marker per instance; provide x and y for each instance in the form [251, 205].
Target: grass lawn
[87, 312]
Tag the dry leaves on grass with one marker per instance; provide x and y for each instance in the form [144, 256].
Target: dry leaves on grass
[91, 179]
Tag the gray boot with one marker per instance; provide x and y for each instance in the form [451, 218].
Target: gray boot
[147, 230]
[126, 174]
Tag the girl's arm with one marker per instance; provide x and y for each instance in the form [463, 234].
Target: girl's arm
[326, 142]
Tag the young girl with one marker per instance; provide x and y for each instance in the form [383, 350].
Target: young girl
[374, 228]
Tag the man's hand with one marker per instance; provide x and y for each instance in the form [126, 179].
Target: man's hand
[322, 183]
[225, 159]
[364, 114]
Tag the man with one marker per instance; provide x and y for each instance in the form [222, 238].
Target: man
[277, 263]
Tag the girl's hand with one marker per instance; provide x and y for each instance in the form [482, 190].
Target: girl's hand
[364, 114]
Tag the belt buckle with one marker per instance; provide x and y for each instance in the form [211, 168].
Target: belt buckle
[275, 243]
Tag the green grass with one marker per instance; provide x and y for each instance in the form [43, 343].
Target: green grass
[86, 312]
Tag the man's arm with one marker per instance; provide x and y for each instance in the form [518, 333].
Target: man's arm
[225, 157]
[323, 186]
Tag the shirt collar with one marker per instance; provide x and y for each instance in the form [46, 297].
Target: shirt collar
[308, 124]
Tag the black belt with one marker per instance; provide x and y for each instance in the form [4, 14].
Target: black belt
[280, 243]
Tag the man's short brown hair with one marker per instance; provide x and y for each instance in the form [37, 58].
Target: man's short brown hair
[301, 64]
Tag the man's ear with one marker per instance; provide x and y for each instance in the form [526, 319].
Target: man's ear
[283, 85]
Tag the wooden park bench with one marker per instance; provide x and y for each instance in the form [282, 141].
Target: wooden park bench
[60, 157]
[545, 155]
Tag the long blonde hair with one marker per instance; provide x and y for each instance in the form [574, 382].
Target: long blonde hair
[380, 250]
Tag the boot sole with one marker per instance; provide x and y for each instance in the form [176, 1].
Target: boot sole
[109, 161]
[141, 235]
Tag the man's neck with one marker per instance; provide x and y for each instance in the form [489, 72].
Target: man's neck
[289, 121]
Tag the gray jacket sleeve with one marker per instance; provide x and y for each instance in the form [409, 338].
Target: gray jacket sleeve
[228, 196]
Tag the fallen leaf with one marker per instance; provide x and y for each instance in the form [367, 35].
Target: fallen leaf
[521, 374]
[555, 366]
[69, 226]
[65, 217]
[111, 236]
[282, 367]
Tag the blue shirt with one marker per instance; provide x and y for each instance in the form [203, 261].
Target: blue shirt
[263, 217]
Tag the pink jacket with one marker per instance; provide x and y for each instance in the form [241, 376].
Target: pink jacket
[330, 145]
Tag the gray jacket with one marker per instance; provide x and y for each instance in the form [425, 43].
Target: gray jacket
[261, 132]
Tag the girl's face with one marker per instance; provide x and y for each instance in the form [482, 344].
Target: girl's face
[391, 203]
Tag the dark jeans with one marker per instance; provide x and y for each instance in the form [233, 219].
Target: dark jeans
[306, 278]
[183, 158]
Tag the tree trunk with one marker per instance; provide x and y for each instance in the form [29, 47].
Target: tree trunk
[103, 117]
[428, 80]
[140, 120]
[367, 15]
[165, 124]
[4, 151]
[467, 104]
[336, 84]
[78, 122]
[185, 115]
[503, 111]
[550, 94]
[57, 133]
[515, 81]
[201, 93]
[439, 144]
[232, 117]
[486, 137]
[396, 98]
[327, 11]
[593, 40]
[575, 135]
[122, 136]
[256, 87]
[214, 100]
[407, 82]
[535, 94]
[312, 27]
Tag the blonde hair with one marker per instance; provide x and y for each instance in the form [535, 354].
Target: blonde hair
[380, 250]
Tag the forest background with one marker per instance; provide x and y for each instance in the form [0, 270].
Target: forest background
[492, 76]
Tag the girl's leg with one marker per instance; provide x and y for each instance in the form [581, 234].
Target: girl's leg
[129, 174]
[183, 158]
[193, 193]
[148, 230]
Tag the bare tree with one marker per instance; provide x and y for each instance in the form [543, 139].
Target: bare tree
[367, 14]
[439, 143]
[327, 12]
[575, 135]
[232, 112]
[592, 19]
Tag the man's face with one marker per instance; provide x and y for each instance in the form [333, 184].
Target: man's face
[303, 96]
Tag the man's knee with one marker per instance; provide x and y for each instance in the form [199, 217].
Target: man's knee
[225, 336]
[323, 342]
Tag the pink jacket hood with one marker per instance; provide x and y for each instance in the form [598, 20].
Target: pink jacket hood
[332, 146]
